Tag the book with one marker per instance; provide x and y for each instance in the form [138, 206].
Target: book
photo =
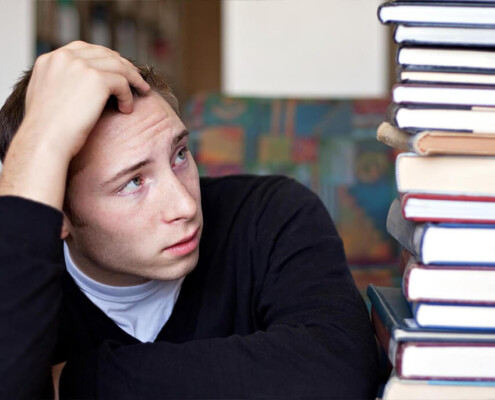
[445, 36]
[445, 57]
[392, 312]
[423, 207]
[448, 283]
[460, 316]
[445, 174]
[417, 118]
[445, 75]
[449, 1]
[437, 13]
[444, 94]
[393, 136]
[443, 243]
[427, 353]
[410, 389]
[429, 143]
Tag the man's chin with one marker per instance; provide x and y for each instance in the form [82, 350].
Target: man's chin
[178, 270]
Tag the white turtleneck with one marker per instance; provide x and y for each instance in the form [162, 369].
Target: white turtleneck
[140, 310]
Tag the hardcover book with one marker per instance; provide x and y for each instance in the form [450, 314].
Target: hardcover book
[454, 316]
[444, 36]
[444, 13]
[443, 243]
[425, 353]
[420, 74]
[467, 95]
[448, 175]
[449, 283]
[422, 117]
[395, 317]
[410, 389]
[423, 207]
[445, 57]
[429, 143]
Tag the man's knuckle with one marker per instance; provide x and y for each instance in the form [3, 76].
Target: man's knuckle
[123, 81]
[42, 60]
[62, 55]
[77, 43]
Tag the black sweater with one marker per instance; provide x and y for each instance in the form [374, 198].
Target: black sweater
[270, 311]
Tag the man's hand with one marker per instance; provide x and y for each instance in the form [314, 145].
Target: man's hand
[56, 372]
[68, 90]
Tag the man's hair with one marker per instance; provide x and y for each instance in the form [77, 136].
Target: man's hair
[12, 112]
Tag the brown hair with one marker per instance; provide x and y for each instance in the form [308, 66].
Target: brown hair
[12, 112]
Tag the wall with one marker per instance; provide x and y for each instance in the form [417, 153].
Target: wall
[16, 42]
[296, 48]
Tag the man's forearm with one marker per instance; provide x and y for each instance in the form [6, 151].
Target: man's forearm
[34, 169]
[30, 295]
[284, 362]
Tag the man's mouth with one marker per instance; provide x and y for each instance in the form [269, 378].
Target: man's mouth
[185, 245]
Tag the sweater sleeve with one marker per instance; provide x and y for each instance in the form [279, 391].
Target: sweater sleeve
[30, 295]
[314, 341]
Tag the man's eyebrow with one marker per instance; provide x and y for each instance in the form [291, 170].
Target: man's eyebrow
[127, 171]
[141, 164]
[180, 136]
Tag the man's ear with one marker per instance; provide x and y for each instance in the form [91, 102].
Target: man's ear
[66, 225]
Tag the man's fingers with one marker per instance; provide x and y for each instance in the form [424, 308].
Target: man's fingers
[77, 44]
[109, 61]
[114, 65]
[88, 50]
[115, 75]
[130, 64]
[119, 87]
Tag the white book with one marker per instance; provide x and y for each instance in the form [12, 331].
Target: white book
[447, 57]
[437, 13]
[442, 35]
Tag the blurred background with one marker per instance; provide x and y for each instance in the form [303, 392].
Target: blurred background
[296, 87]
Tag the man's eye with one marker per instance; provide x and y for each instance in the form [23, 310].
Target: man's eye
[132, 186]
[181, 156]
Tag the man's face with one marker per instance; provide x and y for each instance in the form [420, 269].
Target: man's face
[138, 198]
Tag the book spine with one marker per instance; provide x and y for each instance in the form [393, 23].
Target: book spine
[398, 349]
[388, 320]
[381, 332]
[409, 265]
[391, 114]
[379, 12]
[415, 144]
[406, 232]
[393, 137]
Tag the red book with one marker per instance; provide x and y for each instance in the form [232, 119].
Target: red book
[423, 207]
[456, 361]
[449, 284]
[426, 353]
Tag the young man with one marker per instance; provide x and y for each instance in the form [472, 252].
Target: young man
[174, 286]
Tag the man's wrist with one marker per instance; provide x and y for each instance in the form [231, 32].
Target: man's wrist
[35, 169]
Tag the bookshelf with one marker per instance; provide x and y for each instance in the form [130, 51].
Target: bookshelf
[181, 38]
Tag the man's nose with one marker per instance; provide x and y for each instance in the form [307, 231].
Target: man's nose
[176, 202]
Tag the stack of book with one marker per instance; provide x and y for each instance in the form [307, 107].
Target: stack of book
[439, 328]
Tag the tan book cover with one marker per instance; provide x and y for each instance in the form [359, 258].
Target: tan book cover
[454, 175]
[402, 389]
[437, 142]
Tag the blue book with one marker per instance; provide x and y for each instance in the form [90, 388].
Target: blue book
[395, 314]
[443, 243]
[454, 315]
